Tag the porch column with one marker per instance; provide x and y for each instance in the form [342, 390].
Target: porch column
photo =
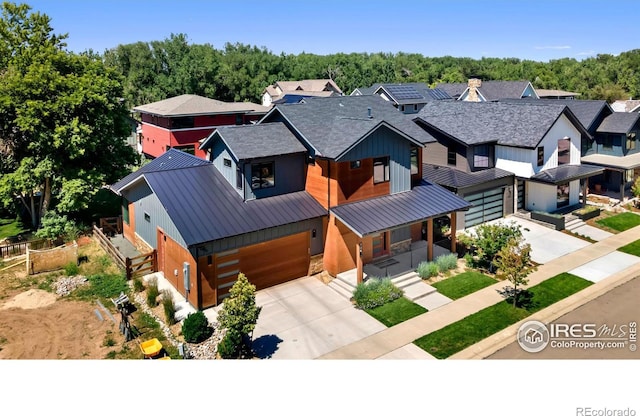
[623, 174]
[430, 239]
[454, 217]
[585, 187]
[359, 268]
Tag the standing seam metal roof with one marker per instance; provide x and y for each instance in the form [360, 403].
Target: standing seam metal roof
[453, 178]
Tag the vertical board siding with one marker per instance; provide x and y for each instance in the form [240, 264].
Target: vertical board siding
[219, 152]
[289, 176]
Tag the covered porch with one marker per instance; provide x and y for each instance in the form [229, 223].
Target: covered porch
[619, 174]
[370, 224]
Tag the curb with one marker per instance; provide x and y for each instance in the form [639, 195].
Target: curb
[499, 340]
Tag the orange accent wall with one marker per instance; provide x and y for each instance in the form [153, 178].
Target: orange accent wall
[173, 256]
[340, 248]
[319, 185]
[128, 230]
[357, 184]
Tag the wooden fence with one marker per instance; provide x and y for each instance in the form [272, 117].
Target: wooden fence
[17, 249]
[111, 250]
[145, 263]
[111, 225]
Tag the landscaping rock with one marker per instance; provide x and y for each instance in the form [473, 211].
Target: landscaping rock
[66, 285]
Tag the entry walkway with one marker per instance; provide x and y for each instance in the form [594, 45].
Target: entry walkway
[399, 336]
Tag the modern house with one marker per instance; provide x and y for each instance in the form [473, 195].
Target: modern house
[181, 122]
[327, 184]
[299, 89]
[408, 98]
[478, 90]
[505, 156]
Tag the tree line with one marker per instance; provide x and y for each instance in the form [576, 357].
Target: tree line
[161, 69]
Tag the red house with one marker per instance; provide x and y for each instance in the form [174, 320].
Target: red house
[181, 122]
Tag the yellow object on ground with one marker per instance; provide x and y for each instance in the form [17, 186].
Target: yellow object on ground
[151, 348]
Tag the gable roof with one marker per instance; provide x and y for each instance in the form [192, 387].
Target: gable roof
[618, 122]
[296, 97]
[259, 140]
[170, 160]
[204, 206]
[454, 89]
[496, 90]
[517, 125]
[306, 85]
[406, 93]
[192, 105]
[332, 126]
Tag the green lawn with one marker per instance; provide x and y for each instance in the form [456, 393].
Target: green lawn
[620, 222]
[474, 328]
[397, 311]
[631, 248]
[463, 284]
[11, 227]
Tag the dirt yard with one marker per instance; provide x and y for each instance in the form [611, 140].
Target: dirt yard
[38, 324]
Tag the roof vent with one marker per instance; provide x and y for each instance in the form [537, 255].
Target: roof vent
[369, 112]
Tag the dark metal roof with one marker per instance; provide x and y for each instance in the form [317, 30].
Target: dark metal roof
[170, 160]
[454, 89]
[566, 173]
[334, 125]
[521, 125]
[257, 140]
[618, 122]
[453, 178]
[205, 207]
[426, 200]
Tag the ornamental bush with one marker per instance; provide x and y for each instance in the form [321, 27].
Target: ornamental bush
[195, 328]
[427, 269]
[375, 292]
[447, 262]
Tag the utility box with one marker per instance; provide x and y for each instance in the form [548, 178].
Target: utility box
[186, 272]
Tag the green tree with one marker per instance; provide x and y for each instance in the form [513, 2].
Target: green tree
[489, 239]
[514, 263]
[239, 312]
[63, 122]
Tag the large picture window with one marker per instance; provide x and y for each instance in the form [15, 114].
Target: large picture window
[262, 175]
[564, 151]
[563, 195]
[414, 160]
[381, 170]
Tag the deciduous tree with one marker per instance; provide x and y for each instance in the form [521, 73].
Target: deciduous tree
[514, 263]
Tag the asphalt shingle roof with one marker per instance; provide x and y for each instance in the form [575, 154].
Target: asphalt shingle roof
[522, 125]
[419, 92]
[567, 173]
[259, 140]
[426, 200]
[204, 206]
[189, 105]
[170, 160]
[454, 89]
[333, 125]
[618, 122]
[453, 178]
[495, 90]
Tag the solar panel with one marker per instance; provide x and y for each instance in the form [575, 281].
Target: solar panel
[404, 92]
[439, 94]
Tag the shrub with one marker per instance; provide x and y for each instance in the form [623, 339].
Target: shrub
[427, 269]
[169, 308]
[375, 292]
[71, 269]
[54, 226]
[229, 347]
[468, 258]
[447, 262]
[489, 240]
[138, 286]
[195, 327]
[152, 292]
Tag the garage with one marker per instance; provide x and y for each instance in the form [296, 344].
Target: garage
[487, 205]
[265, 264]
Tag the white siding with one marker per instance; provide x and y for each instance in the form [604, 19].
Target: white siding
[541, 197]
[516, 159]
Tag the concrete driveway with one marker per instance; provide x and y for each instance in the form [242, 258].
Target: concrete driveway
[546, 244]
[304, 319]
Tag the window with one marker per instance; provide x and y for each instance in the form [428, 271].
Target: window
[262, 175]
[147, 217]
[125, 211]
[238, 178]
[563, 195]
[182, 123]
[607, 144]
[414, 160]
[226, 162]
[564, 151]
[187, 149]
[540, 155]
[631, 141]
[355, 164]
[239, 119]
[402, 108]
[380, 170]
[451, 154]
[481, 156]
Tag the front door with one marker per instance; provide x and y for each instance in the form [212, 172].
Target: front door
[379, 244]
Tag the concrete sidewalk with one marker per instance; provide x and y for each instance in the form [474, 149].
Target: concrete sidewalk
[391, 339]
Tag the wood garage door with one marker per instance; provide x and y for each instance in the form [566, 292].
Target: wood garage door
[487, 206]
[265, 264]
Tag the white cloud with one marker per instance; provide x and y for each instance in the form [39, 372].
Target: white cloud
[553, 47]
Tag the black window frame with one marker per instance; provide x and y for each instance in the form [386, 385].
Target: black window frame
[262, 182]
[485, 156]
[239, 178]
[413, 155]
[355, 164]
[452, 154]
[540, 155]
[186, 122]
[607, 142]
[384, 161]
[226, 162]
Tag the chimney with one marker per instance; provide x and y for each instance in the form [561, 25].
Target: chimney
[474, 84]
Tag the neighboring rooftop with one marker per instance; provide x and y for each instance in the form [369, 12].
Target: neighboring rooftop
[490, 90]
[519, 125]
[557, 94]
[457, 179]
[334, 125]
[259, 140]
[405, 93]
[626, 105]
[618, 122]
[192, 105]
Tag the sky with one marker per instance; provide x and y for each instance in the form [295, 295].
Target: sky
[539, 30]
